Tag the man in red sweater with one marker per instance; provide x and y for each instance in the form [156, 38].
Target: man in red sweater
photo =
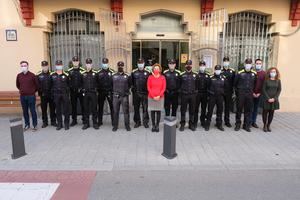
[27, 84]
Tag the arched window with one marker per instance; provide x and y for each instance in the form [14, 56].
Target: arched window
[247, 36]
[75, 33]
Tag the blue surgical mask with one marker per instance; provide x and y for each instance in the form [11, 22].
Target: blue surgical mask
[58, 67]
[104, 66]
[218, 72]
[258, 67]
[273, 74]
[226, 64]
[141, 66]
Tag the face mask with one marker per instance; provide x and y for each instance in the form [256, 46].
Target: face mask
[171, 66]
[105, 66]
[226, 64]
[188, 67]
[156, 71]
[88, 67]
[58, 67]
[273, 74]
[75, 64]
[120, 69]
[258, 67]
[24, 69]
[248, 67]
[218, 72]
[202, 69]
[141, 66]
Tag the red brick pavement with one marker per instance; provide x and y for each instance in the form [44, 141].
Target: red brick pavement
[74, 185]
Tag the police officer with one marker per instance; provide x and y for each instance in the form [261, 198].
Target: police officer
[244, 85]
[121, 90]
[140, 94]
[44, 91]
[201, 99]
[89, 92]
[216, 87]
[188, 91]
[173, 84]
[105, 90]
[229, 74]
[60, 90]
[75, 87]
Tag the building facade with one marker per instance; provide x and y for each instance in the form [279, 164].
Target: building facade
[159, 30]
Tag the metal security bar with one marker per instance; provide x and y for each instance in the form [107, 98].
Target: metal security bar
[117, 41]
[207, 41]
[75, 33]
[247, 36]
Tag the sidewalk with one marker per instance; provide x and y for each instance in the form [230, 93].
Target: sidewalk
[140, 149]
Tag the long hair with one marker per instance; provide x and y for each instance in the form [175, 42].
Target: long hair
[277, 77]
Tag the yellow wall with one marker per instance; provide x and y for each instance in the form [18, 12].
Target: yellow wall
[31, 45]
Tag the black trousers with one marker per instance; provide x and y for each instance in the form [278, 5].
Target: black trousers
[215, 100]
[75, 96]
[244, 103]
[201, 100]
[138, 101]
[171, 102]
[117, 102]
[101, 99]
[188, 100]
[62, 105]
[90, 107]
[227, 106]
[45, 102]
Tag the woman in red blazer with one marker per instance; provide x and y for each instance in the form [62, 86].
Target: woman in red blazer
[156, 85]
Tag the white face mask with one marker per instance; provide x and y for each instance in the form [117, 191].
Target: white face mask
[258, 67]
[248, 67]
[104, 66]
[171, 66]
[141, 66]
[226, 64]
[58, 67]
[273, 74]
[218, 72]
[202, 69]
[24, 69]
[89, 66]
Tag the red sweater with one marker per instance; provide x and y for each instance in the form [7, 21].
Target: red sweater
[156, 86]
[27, 84]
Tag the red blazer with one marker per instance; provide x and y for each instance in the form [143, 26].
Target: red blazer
[156, 86]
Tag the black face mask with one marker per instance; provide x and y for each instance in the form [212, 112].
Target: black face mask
[188, 67]
[120, 69]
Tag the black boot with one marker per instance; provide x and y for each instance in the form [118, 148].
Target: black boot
[269, 128]
[237, 127]
[44, 125]
[153, 121]
[265, 128]
[181, 127]
[138, 124]
[95, 126]
[220, 127]
[85, 126]
[158, 113]
[74, 122]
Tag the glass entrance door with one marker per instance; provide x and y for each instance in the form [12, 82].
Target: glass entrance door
[160, 51]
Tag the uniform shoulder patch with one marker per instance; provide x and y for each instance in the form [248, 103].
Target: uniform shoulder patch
[178, 71]
[241, 71]
[134, 70]
[39, 72]
[70, 69]
[254, 72]
[182, 73]
[232, 69]
[52, 73]
[66, 73]
[111, 70]
[165, 71]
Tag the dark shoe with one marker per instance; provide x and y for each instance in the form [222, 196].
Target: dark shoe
[146, 125]
[26, 128]
[247, 128]
[206, 128]
[157, 129]
[153, 129]
[181, 127]
[58, 128]
[128, 128]
[254, 125]
[192, 128]
[53, 124]
[228, 124]
[67, 127]
[85, 126]
[237, 127]
[73, 123]
[220, 128]
[44, 125]
[269, 129]
[100, 124]
[114, 129]
[203, 125]
[265, 128]
[95, 126]
[137, 125]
